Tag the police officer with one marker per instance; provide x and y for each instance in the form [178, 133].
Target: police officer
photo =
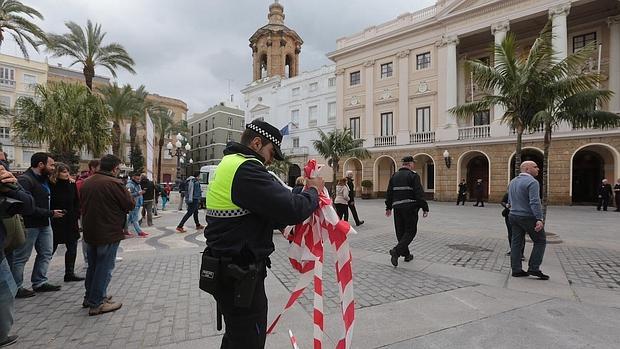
[244, 205]
[406, 196]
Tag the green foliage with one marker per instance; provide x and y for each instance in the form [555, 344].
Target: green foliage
[165, 127]
[337, 144]
[280, 167]
[65, 116]
[136, 159]
[15, 19]
[86, 48]
[366, 183]
[69, 158]
[122, 104]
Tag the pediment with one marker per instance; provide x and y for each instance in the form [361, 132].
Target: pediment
[464, 6]
[259, 107]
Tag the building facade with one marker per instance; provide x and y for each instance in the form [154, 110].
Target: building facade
[396, 81]
[59, 73]
[212, 130]
[18, 78]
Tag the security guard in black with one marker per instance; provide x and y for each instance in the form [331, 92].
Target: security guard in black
[405, 196]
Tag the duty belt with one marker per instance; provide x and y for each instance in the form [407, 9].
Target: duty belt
[228, 213]
[402, 188]
[405, 201]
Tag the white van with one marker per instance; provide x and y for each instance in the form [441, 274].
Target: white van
[206, 174]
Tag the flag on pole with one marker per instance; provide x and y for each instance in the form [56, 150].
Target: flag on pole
[284, 130]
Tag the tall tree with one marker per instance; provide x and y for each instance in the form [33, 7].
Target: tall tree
[15, 20]
[65, 116]
[571, 97]
[513, 82]
[87, 49]
[280, 167]
[165, 126]
[337, 144]
[122, 104]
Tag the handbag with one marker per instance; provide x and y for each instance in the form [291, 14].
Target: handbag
[15, 232]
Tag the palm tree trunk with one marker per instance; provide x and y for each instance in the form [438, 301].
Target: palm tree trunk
[116, 139]
[161, 147]
[518, 151]
[89, 74]
[334, 174]
[133, 131]
[545, 179]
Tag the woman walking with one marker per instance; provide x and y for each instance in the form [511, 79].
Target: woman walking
[64, 196]
[342, 199]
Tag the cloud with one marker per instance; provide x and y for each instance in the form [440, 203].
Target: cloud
[190, 49]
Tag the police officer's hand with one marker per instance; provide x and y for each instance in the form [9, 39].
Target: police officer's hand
[6, 176]
[425, 214]
[388, 213]
[316, 183]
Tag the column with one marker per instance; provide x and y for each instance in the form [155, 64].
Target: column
[340, 122]
[560, 37]
[447, 51]
[402, 136]
[499, 31]
[369, 120]
[614, 62]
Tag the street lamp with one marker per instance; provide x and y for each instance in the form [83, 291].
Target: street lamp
[447, 158]
[178, 151]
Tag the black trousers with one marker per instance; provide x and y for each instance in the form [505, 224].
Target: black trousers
[192, 210]
[479, 200]
[246, 328]
[70, 256]
[354, 212]
[406, 226]
[343, 211]
[461, 198]
[618, 202]
[604, 202]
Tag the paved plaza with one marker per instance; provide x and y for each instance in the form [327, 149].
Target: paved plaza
[456, 293]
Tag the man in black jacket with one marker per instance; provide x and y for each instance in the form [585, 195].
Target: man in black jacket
[38, 229]
[149, 199]
[351, 186]
[9, 189]
[244, 205]
[406, 196]
[604, 195]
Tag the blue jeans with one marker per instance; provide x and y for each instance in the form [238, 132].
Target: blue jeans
[100, 265]
[520, 226]
[8, 289]
[42, 239]
[134, 219]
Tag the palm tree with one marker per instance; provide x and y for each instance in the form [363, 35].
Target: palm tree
[65, 116]
[86, 48]
[22, 30]
[337, 144]
[571, 97]
[165, 127]
[138, 117]
[280, 167]
[518, 83]
[122, 104]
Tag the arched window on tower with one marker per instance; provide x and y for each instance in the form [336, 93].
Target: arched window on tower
[263, 66]
[288, 67]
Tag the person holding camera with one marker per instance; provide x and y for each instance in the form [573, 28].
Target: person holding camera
[245, 203]
[64, 197]
[13, 200]
[38, 228]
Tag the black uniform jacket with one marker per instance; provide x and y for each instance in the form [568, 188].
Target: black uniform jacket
[249, 238]
[405, 189]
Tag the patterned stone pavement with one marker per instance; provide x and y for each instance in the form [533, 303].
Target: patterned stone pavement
[590, 267]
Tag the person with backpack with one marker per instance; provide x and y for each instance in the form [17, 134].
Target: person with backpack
[192, 199]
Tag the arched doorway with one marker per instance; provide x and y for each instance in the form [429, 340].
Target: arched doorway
[474, 165]
[425, 167]
[590, 165]
[385, 167]
[293, 172]
[529, 154]
[355, 165]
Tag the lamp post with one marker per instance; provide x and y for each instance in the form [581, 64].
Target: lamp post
[178, 152]
[447, 158]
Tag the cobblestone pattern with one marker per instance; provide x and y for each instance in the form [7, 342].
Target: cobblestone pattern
[162, 304]
[436, 247]
[591, 267]
[374, 284]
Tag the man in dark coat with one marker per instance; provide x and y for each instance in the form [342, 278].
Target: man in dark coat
[479, 190]
[604, 195]
[406, 196]
[351, 186]
[617, 194]
[39, 233]
[462, 192]
[105, 204]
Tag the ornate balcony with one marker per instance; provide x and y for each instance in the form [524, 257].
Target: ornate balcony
[422, 137]
[296, 151]
[475, 132]
[385, 141]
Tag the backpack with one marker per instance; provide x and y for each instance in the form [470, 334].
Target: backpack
[15, 232]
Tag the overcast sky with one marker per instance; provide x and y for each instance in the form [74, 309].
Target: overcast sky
[189, 49]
